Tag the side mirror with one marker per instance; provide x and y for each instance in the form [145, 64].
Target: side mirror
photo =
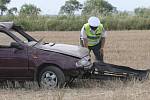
[16, 45]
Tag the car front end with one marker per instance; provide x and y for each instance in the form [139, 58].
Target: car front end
[81, 53]
[75, 59]
[84, 62]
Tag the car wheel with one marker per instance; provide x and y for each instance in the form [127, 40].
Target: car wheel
[51, 77]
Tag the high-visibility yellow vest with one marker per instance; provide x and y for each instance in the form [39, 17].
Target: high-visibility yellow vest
[93, 38]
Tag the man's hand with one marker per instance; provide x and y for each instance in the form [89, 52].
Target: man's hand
[85, 43]
[102, 45]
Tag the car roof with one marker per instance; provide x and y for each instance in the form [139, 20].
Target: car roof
[7, 25]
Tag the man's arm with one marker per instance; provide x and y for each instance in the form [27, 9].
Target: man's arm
[85, 42]
[102, 42]
[104, 35]
[83, 38]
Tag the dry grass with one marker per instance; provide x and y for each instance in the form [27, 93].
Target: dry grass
[130, 48]
[110, 91]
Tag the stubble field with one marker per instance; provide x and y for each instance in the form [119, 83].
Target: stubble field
[129, 48]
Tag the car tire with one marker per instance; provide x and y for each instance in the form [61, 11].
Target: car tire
[51, 77]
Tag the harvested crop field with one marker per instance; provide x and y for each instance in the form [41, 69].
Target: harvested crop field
[129, 48]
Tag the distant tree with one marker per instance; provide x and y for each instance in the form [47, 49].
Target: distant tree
[29, 10]
[98, 7]
[144, 12]
[70, 7]
[3, 6]
[12, 11]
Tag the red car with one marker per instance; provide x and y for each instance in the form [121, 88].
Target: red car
[24, 58]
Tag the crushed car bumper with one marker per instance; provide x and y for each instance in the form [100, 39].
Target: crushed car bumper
[85, 63]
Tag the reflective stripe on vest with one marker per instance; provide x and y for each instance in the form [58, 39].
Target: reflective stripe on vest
[93, 38]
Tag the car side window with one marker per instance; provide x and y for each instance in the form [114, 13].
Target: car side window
[5, 40]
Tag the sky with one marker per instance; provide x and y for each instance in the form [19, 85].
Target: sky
[52, 7]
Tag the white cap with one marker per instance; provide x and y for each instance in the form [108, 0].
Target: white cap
[94, 21]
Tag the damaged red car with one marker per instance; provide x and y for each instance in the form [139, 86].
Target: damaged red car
[24, 58]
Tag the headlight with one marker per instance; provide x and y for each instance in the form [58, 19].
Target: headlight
[84, 62]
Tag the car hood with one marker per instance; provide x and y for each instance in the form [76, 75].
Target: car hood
[71, 50]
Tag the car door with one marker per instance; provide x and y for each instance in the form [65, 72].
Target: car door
[13, 61]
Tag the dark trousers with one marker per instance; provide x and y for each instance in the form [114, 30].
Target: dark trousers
[96, 51]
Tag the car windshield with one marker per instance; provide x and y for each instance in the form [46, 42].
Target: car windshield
[26, 40]
[23, 38]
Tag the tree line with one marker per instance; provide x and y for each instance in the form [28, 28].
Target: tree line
[90, 7]
[26, 9]
[69, 18]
